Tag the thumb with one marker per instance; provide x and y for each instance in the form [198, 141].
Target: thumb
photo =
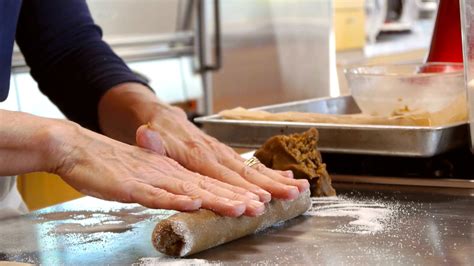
[149, 139]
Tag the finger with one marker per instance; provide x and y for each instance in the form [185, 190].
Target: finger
[238, 190]
[156, 198]
[276, 188]
[221, 205]
[224, 174]
[301, 184]
[150, 139]
[253, 207]
[287, 173]
[192, 176]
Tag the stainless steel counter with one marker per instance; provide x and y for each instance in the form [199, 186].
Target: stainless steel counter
[366, 224]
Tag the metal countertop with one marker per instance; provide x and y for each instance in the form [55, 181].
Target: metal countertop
[365, 224]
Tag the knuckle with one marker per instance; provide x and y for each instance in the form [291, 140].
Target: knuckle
[201, 150]
[215, 199]
[260, 167]
[157, 194]
[125, 193]
[124, 196]
[247, 171]
[205, 184]
[235, 196]
[173, 198]
[194, 144]
[210, 181]
[199, 154]
[216, 146]
[188, 188]
[239, 190]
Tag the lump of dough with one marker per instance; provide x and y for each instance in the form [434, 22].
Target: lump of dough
[298, 153]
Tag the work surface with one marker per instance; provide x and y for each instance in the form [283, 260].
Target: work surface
[365, 224]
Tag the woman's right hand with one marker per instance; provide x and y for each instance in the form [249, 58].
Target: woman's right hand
[108, 169]
[105, 168]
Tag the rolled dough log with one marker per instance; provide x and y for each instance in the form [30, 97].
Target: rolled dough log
[454, 112]
[187, 233]
[14, 263]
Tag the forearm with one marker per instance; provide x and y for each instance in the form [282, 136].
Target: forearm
[126, 107]
[27, 142]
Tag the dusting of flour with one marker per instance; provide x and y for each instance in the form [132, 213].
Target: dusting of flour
[175, 262]
[367, 216]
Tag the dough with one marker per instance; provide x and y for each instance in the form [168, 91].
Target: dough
[14, 263]
[187, 233]
[298, 153]
[454, 112]
[240, 113]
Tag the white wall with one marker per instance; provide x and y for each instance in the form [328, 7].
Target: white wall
[172, 79]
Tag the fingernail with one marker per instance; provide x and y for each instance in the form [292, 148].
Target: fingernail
[197, 203]
[263, 195]
[239, 210]
[237, 206]
[258, 206]
[293, 192]
[289, 174]
[304, 185]
[191, 204]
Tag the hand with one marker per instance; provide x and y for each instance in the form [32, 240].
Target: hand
[99, 166]
[128, 106]
[170, 132]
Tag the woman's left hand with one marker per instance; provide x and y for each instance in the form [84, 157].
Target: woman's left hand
[170, 132]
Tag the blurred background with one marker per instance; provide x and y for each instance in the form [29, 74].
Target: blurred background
[210, 55]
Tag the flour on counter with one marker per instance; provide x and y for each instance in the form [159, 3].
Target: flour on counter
[369, 216]
[175, 262]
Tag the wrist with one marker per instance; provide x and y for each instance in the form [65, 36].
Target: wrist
[30, 143]
[56, 141]
[124, 108]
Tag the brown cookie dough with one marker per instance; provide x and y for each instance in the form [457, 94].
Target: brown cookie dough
[187, 233]
[298, 153]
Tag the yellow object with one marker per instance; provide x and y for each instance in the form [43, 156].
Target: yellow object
[41, 190]
[349, 24]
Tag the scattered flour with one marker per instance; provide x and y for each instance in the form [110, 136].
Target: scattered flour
[175, 262]
[369, 216]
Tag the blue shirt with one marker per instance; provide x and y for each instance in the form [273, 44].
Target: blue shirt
[64, 49]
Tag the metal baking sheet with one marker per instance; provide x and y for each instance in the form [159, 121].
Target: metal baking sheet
[411, 141]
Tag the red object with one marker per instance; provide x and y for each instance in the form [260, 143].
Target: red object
[446, 44]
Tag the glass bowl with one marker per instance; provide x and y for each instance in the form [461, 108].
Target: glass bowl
[387, 90]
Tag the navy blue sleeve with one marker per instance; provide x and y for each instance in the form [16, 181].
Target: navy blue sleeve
[67, 57]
